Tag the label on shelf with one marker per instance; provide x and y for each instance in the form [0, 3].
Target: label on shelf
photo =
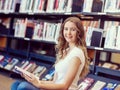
[101, 13]
[98, 48]
[26, 39]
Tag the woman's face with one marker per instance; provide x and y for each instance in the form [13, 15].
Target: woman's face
[70, 32]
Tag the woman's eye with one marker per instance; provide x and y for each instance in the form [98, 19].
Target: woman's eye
[65, 29]
[73, 29]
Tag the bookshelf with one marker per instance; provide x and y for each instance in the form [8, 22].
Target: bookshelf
[28, 48]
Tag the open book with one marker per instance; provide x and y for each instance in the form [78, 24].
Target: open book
[22, 71]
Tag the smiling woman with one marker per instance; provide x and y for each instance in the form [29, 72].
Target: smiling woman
[72, 61]
[70, 32]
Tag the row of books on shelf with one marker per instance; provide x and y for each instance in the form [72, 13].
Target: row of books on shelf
[7, 5]
[108, 60]
[9, 63]
[60, 6]
[110, 31]
[113, 57]
[42, 30]
[112, 37]
[108, 65]
[49, 31]
[89, 83]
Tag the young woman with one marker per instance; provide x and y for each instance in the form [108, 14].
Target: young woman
[72, 61]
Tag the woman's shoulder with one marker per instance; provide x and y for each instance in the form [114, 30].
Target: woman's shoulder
[78, 50]
[79, 53]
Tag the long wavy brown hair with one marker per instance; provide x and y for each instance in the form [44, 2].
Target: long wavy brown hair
[80, 42]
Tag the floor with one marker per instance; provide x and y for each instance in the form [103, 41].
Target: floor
[5, 82]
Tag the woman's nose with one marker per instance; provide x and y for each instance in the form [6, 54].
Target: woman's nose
[69, 32]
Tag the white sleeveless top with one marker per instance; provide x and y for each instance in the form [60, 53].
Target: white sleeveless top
[63, 66]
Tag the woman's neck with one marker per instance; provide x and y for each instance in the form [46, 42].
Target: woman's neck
[71, 46]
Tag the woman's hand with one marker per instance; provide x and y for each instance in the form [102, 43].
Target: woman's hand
[32, 79]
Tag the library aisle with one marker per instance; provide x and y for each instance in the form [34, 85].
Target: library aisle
[29, 31]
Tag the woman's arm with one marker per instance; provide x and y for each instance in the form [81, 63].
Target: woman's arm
[68, 79]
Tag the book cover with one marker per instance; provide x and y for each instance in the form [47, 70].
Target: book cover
[96, 37]
[32, 68]
[110, 6]
[11, 64]
[115, 58]
[49, 74]
[39, 71]
[3, 42]
[77, 5]
[97, 5]
[118, 38]
[110, 38]
[98, 85]
[86, 83]
[87, 6]
[20, 71]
